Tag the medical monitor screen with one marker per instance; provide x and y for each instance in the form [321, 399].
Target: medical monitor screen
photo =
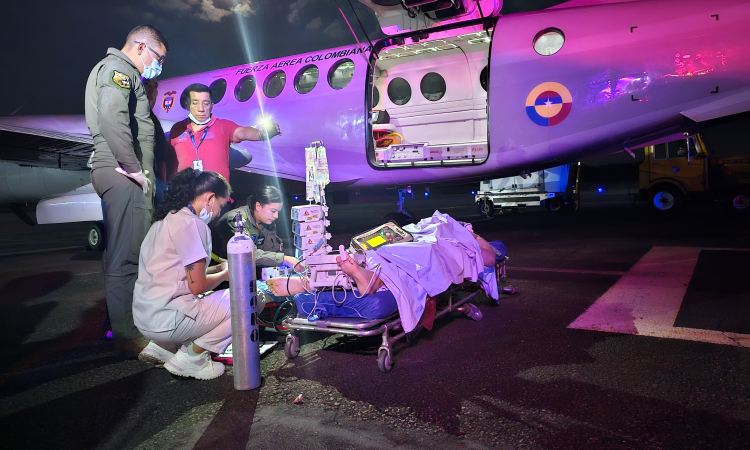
[376, 241]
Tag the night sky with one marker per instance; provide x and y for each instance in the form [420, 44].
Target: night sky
[51, 46]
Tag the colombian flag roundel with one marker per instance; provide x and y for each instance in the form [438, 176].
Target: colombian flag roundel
[549, 104]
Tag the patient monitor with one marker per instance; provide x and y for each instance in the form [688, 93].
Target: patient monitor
[325, 272]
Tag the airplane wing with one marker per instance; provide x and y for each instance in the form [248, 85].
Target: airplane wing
[734, 102]
[64, 142]
[59, 142]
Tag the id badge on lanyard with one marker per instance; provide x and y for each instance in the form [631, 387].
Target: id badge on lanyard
[198, 163]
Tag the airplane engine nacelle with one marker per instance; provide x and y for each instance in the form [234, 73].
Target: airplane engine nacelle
[25, 184]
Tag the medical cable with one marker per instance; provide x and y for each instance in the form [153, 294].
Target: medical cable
[375, 276]
[333, 295]
[277, 320]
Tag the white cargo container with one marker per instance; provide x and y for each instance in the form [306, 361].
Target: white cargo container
[555, 188]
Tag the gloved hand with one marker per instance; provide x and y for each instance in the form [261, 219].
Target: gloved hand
[267, 132]
[140, 177]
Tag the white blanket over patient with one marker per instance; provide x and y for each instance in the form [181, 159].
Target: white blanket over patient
[443, 252]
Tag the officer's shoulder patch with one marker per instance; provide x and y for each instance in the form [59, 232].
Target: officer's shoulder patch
[121, 79]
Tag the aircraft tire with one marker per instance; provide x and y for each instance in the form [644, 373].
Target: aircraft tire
[665, 199]
[95, 237]
[487, 210]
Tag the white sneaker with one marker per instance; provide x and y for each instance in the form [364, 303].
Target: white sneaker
[200, 366]
[154, 354]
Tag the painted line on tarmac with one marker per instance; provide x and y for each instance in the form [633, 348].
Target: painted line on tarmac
[645, 301]
[581, 271]
[31, 252]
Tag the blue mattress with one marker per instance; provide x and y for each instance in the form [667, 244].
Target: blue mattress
[374, 306]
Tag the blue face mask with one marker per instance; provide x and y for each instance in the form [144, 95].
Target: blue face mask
[206, 216]
[195, 121]
[152, 71]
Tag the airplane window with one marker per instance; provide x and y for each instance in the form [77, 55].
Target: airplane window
[306, 79]
[218, 89]
[399, 91]
[548, 42]
[375, 96]
[432, 86]
[245, 88]
[274, 84]
[483, 78]
[341, 74]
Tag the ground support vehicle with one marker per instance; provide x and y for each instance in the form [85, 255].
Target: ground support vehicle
[555, 188]
[676, 172]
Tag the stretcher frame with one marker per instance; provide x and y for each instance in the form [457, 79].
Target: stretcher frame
[385, 327]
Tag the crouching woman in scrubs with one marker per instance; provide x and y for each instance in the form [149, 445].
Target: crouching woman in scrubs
[173, 272]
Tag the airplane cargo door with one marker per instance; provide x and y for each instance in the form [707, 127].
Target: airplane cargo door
[435, 97]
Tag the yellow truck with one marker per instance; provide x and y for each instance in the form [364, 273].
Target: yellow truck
[679, 171]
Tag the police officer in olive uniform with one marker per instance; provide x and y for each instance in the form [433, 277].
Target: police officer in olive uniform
[118, 117]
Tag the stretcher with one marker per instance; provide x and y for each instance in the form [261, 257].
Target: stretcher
[389, 328]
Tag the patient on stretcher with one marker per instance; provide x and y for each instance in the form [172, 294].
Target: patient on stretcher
[362, 276]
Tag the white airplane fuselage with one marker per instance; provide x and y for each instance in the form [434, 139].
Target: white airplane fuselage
[627, 72]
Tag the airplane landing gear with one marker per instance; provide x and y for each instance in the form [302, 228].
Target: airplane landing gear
[403, 216]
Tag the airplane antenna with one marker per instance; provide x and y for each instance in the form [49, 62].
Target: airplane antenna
[359, 45]
[484, 23]
[360, 24]
[21, 107]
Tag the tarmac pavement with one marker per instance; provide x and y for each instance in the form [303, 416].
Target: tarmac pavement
[518, 379]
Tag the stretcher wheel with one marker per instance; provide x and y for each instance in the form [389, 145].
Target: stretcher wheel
[384, 361]
[291, 346]
[508, 290]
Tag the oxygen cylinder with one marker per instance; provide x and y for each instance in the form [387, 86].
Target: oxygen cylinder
[245, 344]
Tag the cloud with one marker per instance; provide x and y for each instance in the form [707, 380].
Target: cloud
[296, 7]
[210, 10]
[244, 9]
[334, 30]
[211, 13]
[314, 24]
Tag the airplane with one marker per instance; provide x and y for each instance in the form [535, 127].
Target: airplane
[457, 92]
